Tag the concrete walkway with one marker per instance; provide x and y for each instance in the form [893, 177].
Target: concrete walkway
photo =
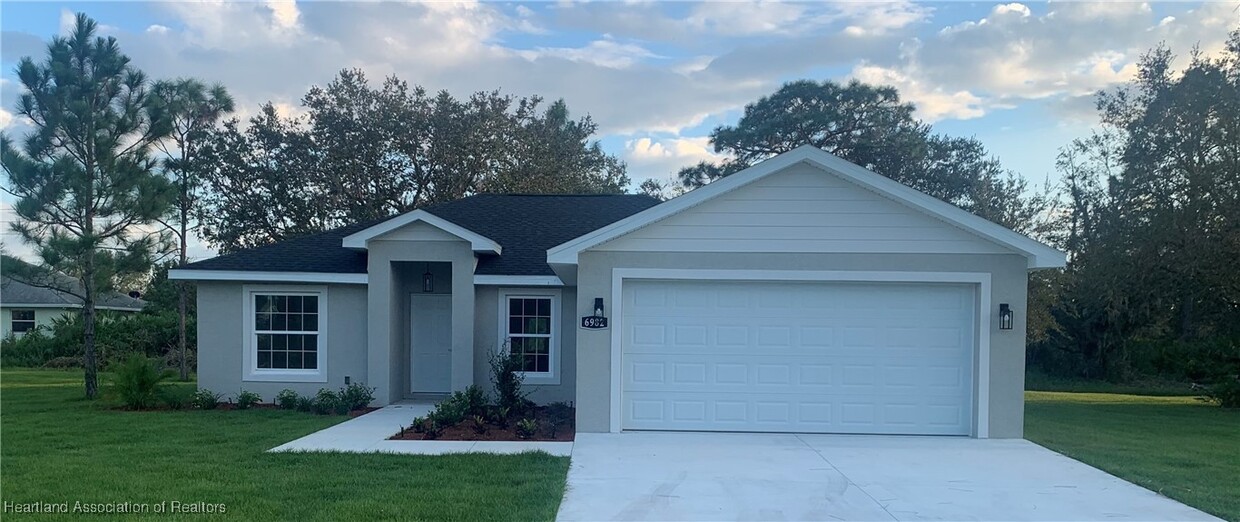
[369, 433]
[735, 476]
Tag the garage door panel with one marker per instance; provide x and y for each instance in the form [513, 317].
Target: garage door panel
[781, 412]
[813, 357]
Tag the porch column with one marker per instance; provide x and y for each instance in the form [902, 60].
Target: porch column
[379, 306]
[463, 320]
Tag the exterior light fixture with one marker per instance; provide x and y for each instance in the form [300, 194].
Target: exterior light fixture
[1005, 317]
[428, 280]
[598, 307]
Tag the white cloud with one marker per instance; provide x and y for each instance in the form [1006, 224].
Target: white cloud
[284, 13]
[933, 103]
[1075, 49]
[605, 53]
[157, 29]
[67, 21]
[682, 150]
[6, 118]
[746, 18]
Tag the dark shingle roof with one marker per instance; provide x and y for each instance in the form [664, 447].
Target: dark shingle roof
[22, 283]
[524, 225]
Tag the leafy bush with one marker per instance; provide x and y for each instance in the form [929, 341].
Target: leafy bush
[431, 430]
[476, 400]
[305, 404]
[247, 399]
[177, 397]
[117, 335]
[559, 414]
[356, 396]
[205, 399]
[286, 399]
[479, 424]
[327, 402]
[137, 382]
[419, 425]
[527, 428]
[507, 377]
[458, 406]
[1225, 392]
[499, 416]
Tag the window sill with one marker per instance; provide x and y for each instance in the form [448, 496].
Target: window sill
[540, 379]
[284, 376]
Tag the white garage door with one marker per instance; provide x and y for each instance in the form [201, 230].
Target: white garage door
[797, 357]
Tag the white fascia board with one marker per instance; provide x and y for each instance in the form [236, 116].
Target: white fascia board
[478, 242]
[274, 277]
[514, 280]
[321, 277]
[1039, 255]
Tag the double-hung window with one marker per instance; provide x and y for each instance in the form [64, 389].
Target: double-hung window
[285, 336]
[530, 329]
[23, 321]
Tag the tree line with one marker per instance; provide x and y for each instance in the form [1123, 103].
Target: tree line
[120, 171]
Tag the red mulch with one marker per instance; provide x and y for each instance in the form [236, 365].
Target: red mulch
[465, 431]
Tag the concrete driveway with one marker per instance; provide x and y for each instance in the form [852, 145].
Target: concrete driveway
[726, 476]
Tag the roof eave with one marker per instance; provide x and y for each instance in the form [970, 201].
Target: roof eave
[478, 242]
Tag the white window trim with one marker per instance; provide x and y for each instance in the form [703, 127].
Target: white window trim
[249, 342]
[540, 378]
[982, 333]
[34, 321]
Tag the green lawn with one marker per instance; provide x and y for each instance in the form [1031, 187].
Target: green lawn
[1178, 446]
[56, 447]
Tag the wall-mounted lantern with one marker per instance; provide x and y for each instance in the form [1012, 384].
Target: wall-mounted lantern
[598, 321]
[1005, 317]
[428, 280]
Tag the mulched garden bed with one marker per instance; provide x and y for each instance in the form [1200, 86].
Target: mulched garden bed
[464, 430]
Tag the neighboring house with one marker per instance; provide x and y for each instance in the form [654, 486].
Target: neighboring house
[23, 307]
[804, 294]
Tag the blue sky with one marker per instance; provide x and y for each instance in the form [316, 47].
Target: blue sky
[658, 76]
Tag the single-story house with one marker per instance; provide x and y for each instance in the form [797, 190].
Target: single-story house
[804, 294]
[24, 307]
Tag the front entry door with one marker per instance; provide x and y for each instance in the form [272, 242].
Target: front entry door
[431, 343]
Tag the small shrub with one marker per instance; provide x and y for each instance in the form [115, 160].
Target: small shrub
[499, 416]
[507, 377]
[177, 397]
[559, 414]
[451, 411]
[419, 425]
[527, 428]
[476, 401]
[325, 402]
[247, 399]
[479, 425]
[137, 382]
[431, 430]
[205, 399]
[287, 399]
[305, 404]
[1225, 393]
[356, 396]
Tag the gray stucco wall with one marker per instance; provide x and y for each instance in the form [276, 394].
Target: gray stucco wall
[486, 339]
[1009, 284]
[222, 338]
[387, 323]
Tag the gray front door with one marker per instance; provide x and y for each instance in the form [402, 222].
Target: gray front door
[431, 343]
